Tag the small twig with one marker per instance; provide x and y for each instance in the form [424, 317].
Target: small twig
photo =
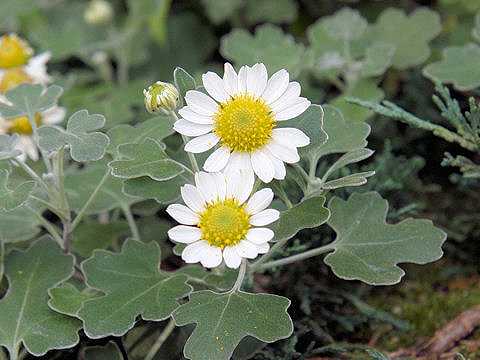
[161, 339]
[131, 222]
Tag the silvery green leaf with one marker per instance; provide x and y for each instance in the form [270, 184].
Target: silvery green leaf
[410, 34]
[25, 317]
[476, 28]
[133, 286]
[220, 11]
[368, 249]
[357, 179]
[458, 67]
[270, 45]
[67, 299]
[345, 25]
[310, 213]
[145, 159]
[11, 199]
[351, 157]
[18, 225]
[84, 142]
[27, 99]
[8, 145]
[311, 122]
[378, 57]
[365, 89]
[157, 128]
[80, 184]
[183, 81]
[222, 320]
[164, 192]
[343, 136]
[271, 11]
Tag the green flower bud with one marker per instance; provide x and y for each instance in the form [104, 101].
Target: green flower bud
[161, 97]
[98, 12]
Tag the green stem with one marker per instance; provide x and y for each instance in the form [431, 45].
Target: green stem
[48, 226]
[283, 195]
[191, 156]
[275, 248]
[161, 339]
[32, 173]
[241, 275]
[87, 204]
[293, 258]
[131, 222]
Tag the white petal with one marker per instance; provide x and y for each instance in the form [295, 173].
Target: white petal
[240, 185]
[290, 137]
[217, 160]
[276, 86]
[184, 234]
[262, 166]
[202, 143]
[246, 249]
[242, 79]
[54, 115]
[188, 128]
[265, 217]
[232, 259]
[214, 86]
[211, 257]
[37, 68]
[238, 161]
[28, 147]
[194, 252]
[192, 197]
[263, 248]
[259, 201]
[257, 80]
[220, 185]
[192, 116]
[201, 103]
[294, 110]
[289, 96]
[259, 235]
[278, 165]
[230, 80]
[206, 185]
[284, 153]
[182, 214]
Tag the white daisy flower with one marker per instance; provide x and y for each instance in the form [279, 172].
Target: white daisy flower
[241, 115]
[221, 221]
[22, 127]
[17, 65]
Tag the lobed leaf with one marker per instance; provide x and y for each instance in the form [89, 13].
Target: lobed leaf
[133, 286]
[85, 143]
[224, 319]
[28, 99]
[8, 145]
[369, 249]
[11, 199]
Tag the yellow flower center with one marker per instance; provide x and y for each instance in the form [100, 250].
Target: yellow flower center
[244, 123]
[12, 78]
[224, 223]
[13, 51]
[21, 125]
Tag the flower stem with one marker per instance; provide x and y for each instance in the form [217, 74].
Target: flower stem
[48, 226]
[131, 222]
[191, 156]
[294, 258]
[32, 173]
[240, 276]
[87, 204]
[161, 339]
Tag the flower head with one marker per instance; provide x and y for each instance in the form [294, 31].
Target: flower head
[98, 12]
[161, 97]
[14, 51]
[220, 221]
[241, 114]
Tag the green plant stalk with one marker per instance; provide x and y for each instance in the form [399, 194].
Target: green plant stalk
[191, 156]
[161, 339]
[87, 204]
[131, 222]
[48, 226]
[241, 275]
[31, 173]
[280, 191]
[66, 218]
[294, 258]
[275, 248]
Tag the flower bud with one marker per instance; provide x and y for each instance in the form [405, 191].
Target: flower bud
[98, 12]
[14, 51]
[161, 97]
